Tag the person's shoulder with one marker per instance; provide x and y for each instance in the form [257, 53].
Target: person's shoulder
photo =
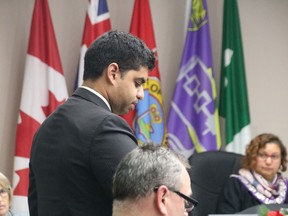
[117, 121]
[237, 179]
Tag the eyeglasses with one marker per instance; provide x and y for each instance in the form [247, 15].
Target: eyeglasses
[3, 192]
[264, 156]
[190, 203]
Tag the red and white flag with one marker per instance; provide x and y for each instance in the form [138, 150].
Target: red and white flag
[148, 120]
[97, 22]
[44, 88]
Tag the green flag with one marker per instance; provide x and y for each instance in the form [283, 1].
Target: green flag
[234, 105]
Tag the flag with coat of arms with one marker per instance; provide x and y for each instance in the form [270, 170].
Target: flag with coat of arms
[148, 118]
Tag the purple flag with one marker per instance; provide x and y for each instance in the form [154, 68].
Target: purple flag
[193, 122]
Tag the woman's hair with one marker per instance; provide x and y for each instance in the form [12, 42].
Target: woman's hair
[5, 184]
[252, 150]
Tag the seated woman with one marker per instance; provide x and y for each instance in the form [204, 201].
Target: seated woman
[5, 196]
[260, 180]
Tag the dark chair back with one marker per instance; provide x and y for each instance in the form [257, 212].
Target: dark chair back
[209, 171]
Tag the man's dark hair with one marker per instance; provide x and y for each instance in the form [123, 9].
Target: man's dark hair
[128, 51]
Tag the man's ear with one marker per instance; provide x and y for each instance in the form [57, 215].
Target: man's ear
[161, 199]
[113, 72]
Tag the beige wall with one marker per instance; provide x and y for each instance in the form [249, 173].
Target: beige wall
[265, 40]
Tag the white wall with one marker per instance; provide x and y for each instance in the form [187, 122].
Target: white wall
[264, 34]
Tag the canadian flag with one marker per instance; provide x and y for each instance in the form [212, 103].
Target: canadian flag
[44, 88]
[97, 22]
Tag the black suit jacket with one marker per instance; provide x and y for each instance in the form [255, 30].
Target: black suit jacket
[74, 156]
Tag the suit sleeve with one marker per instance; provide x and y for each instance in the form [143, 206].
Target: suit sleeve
[111, 143]
[32, 193]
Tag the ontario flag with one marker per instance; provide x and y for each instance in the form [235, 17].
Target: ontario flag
[193, 121]
[97, 22]
[44, 88]
[148, 119]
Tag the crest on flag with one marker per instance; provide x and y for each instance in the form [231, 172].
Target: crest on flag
[198, 16]
[150, 118]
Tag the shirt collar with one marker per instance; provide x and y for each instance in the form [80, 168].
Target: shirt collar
[98, 94]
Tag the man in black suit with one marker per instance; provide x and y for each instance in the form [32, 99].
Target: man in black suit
[77, 148]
